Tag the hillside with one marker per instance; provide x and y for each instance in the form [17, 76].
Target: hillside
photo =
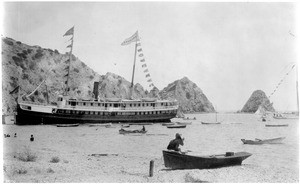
[27, 66]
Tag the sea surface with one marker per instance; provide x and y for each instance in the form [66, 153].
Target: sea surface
[200, 139]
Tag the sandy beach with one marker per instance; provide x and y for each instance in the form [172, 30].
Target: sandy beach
[128, 157]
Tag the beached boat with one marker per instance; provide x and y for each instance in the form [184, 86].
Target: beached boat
[68, 111]
[184, 123]
[67, 125]
[263, 141]
[175, 160]
[167, 124]
[140, 123]
[277, 125]
[123, 131]
[125, 125]
[176, 126]
[206, 123]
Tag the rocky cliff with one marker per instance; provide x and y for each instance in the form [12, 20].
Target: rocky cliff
[24, 67]
[257, 98]
[189, 95]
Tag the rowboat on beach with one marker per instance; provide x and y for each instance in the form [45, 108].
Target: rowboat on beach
[277, 125]
[184, 123]
[176, 126]
[263, 141]
[125, 125]
[176, 160]
[123, 131]
[167, 124]
[206, 123]
[67, 125]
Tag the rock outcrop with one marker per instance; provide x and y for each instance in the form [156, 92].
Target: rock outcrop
[189, 95]
[258, 98]
[24, 67]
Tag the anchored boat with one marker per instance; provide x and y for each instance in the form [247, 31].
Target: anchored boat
[70, 111]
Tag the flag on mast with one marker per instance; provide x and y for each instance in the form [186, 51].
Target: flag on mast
[133, 38]
[69, 32]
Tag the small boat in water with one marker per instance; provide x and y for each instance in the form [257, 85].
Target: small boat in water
[184, 123]
[176, 160]
[277, 125]
[123, 131]
[176, 126]
[263, 141]
[167, 124]
[67, 125]
[205, 123]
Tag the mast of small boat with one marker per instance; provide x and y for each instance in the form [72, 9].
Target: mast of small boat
[131, 87]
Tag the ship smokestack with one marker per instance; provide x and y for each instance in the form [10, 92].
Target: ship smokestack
[96, 84]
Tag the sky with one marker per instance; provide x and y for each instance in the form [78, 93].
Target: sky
[227, 49]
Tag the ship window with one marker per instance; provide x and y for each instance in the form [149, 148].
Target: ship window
[92, 104]
[98, 104]
[83, 103]
[116, 105]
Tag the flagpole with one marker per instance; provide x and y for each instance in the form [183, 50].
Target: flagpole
[133, 68]
[70, 54]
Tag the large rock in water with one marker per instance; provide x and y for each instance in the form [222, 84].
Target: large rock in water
[257, 98]
[189, 95]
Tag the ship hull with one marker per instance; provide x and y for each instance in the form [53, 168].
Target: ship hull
[24, 117]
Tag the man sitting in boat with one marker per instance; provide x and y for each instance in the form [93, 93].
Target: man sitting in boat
[174, 144]
[143, 129]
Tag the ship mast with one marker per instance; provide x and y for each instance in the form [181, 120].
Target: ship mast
[131, 87]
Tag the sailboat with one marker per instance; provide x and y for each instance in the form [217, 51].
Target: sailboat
[278, 115]
[97, 111]
[212, 123]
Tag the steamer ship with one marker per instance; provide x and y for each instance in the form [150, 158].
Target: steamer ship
[70, 111]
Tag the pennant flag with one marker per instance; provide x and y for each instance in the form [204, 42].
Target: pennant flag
[139, 50]
[149, 80]
[70, 32]
[146, 70]
[133, 38]
[138, 44]
[67, 61]
[148, 75]
[144, 65]
[151, 85]
[67, 68]
[69, 46]
[66, 74]
[142, 60]
[141, 55]
[66, 82]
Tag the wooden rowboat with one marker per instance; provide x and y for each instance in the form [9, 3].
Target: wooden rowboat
[279, 125]
[176, 126]
[263, 141]
[205, 123]
[67, 125]
[184, 123]
[167, 124]
[176, 160]
[123, 131]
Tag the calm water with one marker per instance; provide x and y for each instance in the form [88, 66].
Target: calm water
[203, 139]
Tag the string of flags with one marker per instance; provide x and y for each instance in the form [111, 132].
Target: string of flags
[70, 32]
[281, 81]
[135, 38]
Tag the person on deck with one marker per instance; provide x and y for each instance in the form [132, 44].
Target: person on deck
[174, 144]
[143, 129]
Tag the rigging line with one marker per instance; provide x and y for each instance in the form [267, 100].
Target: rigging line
[282, 80]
